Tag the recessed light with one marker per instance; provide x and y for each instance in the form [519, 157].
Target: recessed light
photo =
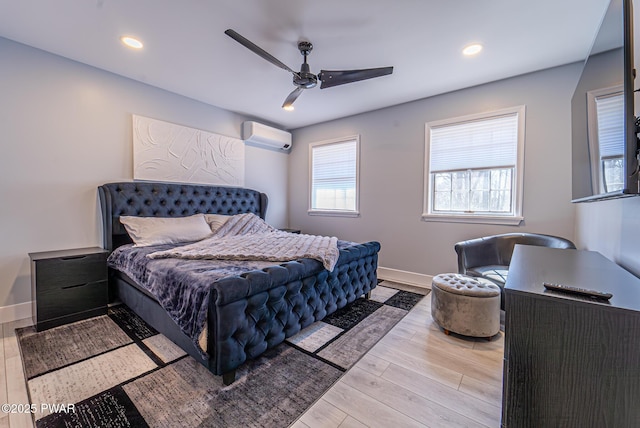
[131, 42]
[472, 49]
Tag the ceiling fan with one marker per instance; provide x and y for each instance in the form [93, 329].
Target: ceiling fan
[304, 79]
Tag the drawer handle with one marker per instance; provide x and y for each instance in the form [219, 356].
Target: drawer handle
[80, 285]
[73, 257]
[75, 286]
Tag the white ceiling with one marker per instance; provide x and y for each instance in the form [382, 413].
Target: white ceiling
[187, 52]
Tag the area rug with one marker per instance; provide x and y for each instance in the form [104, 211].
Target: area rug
[117, 371]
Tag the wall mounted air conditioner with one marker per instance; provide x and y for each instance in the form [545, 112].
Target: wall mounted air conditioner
[265, 136]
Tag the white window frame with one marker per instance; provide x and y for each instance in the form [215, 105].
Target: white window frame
[514, 218]
[336, 212]
[597, 179]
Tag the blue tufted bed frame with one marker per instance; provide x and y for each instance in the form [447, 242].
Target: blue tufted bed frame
[249, 313]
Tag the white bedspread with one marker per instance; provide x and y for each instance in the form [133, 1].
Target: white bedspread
[248, 237]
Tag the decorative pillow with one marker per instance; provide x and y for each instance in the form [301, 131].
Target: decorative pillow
[216, 220]
[165, 230]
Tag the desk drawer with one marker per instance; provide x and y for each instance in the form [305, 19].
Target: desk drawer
[56, 273]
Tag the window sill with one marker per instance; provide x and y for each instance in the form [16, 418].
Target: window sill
[330, 213]
[478, 219]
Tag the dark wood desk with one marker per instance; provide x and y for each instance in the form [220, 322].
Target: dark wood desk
[570, 361]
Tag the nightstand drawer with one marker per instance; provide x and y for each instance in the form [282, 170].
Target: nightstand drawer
[61, 302]
[61, 272]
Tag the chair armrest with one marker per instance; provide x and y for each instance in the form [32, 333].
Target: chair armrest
[476, 252]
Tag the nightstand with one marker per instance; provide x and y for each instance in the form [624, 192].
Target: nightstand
[68, 285]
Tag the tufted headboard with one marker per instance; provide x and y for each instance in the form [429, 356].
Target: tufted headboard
[148, 199]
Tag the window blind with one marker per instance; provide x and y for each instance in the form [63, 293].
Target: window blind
[333, 167]
[610, 114]
[484, 143]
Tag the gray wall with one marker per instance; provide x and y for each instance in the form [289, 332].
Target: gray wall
[611, 228]
[66, 128]
[392, 159]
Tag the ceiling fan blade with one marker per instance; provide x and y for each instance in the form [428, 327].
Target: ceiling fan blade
[288, 103]
[258, 50]
[340, 77]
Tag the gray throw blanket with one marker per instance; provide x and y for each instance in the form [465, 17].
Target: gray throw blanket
[248, 237]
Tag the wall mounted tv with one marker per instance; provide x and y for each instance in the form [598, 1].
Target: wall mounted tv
[604, 139]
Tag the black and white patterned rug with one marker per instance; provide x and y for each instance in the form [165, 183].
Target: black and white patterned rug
[117, 371]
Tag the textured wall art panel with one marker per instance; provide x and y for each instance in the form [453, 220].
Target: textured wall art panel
[164, 151]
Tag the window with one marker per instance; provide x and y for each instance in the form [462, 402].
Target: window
[473, 168]
[605, 109]
[334, 167]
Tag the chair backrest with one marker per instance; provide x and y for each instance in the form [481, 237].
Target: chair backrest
[498, 249]
[507, 242]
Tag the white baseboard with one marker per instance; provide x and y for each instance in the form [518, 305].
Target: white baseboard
[405, 277]
[15, 312]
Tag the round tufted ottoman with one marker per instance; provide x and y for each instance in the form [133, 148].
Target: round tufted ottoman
[465, 306]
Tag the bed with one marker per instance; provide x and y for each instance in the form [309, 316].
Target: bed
[245, 313]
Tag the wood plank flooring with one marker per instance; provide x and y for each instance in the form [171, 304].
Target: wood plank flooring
[13, 384]
[416, 376]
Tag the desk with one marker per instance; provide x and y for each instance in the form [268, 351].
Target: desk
[570, 361]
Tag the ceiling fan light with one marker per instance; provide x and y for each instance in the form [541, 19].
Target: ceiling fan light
[472, 49]
[132, 42]
[288, 107]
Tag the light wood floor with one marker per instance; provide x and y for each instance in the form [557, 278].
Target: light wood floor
[414, 377]
[13, 389]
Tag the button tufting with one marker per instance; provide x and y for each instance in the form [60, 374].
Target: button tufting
[465, 285]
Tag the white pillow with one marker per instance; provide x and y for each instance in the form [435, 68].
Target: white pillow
[165, 230]
[216, 220]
